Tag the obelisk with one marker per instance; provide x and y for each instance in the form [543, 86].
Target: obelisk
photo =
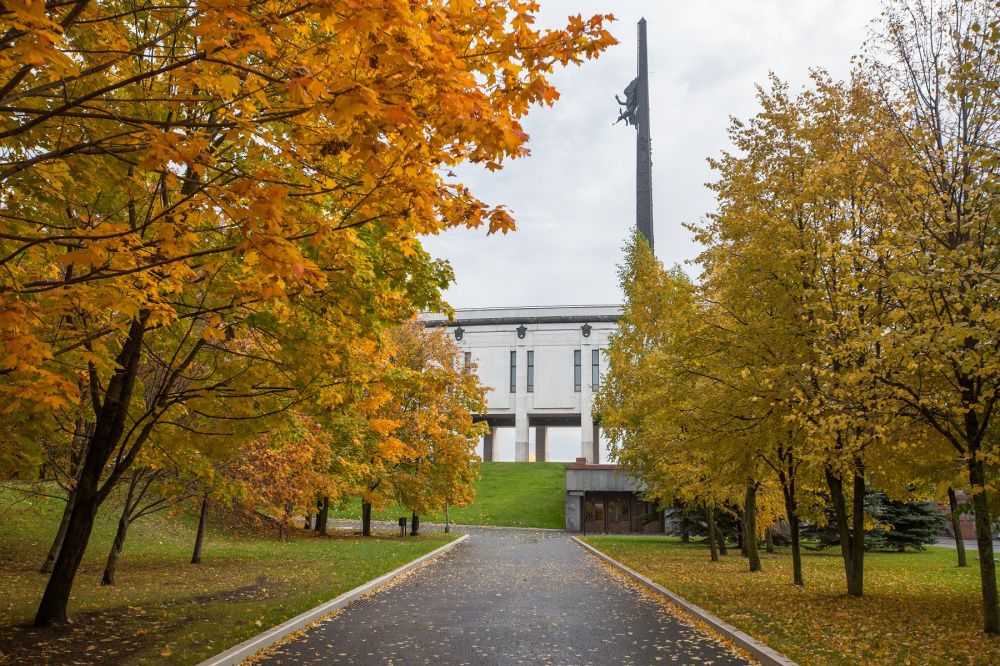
[643, 146]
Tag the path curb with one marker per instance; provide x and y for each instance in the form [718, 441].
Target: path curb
[251, 646]
[761, 652]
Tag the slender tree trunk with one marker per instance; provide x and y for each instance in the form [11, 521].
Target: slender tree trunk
[793, 528]
[199, 538]
[366, 519]
[710, 520]
[852, 536]
[60, 534]
[721, 539]
[984, 542]
[116, 549]
[324, 514]
[956, 526]
[792, 511]
[685, 528]
[319, 512]
[108, 430]
[447, 520]
[131, 503]
[414, 524]
[769, 541]
[750, 526]
[741, 535]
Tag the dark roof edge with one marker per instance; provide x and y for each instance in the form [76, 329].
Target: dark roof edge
[508, 321]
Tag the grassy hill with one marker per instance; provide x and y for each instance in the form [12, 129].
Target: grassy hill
[508, 494]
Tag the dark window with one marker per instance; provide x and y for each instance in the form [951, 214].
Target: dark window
[595, 369]
[531, 372]
[513, 372]
[577, 370]
[468, 359]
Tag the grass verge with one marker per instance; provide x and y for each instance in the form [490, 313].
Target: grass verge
[918, 608]
[164, 610]
[507, 494]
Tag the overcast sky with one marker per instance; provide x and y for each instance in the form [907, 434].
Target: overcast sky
[574, 196]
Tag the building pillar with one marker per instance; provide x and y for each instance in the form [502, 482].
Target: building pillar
[521, 444]
[597, 444]
[541, 449]
[522, 449]
[488, 444]
[586, 402]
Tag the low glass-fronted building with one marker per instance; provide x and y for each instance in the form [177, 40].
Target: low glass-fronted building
[602, 500]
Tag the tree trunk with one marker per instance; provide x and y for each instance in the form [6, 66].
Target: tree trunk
[324, 514]
[741, 534]
[984, 542]
[956, 526]
[414, 524]
[685, 528]
[792, 511]
[750, 527]
[768, 541]
[447, 521]
[60, 534]
[710, 520]
[131, 504]
[200, 536]
[108, 430]
[366, 519]
[852, 537]
[721, 539]
[116, 549]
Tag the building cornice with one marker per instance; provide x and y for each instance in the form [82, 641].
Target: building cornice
[510, 321]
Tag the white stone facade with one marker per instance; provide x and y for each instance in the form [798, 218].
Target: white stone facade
[549, 348]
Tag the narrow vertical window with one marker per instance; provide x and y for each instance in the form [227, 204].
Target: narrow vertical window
[595, 369]
[513, 372]
[531, 372]
[468, 360]
[577, 370]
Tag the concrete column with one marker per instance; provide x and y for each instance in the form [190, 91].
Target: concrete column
[488, 445]
[597, 444]
[586, 400]
[522, 449]
[521, 444]
[541, 449]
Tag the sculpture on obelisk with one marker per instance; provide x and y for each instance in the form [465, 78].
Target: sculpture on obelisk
[635, 112]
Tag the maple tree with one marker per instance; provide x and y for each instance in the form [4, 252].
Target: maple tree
[410, 436]
[211, 188]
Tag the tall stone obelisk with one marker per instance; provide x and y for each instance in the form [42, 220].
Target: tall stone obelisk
[643, 145]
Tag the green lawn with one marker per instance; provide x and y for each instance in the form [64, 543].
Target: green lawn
[918, 608]
[511, 494]
[164, 610]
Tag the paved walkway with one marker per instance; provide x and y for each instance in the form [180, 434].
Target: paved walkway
[971, 547]
[505, 596]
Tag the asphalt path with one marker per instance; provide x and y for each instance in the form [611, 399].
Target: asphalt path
[505, 596]
[970, 544]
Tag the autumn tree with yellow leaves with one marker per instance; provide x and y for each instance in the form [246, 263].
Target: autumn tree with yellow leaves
[842, 334]
[208, 205]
